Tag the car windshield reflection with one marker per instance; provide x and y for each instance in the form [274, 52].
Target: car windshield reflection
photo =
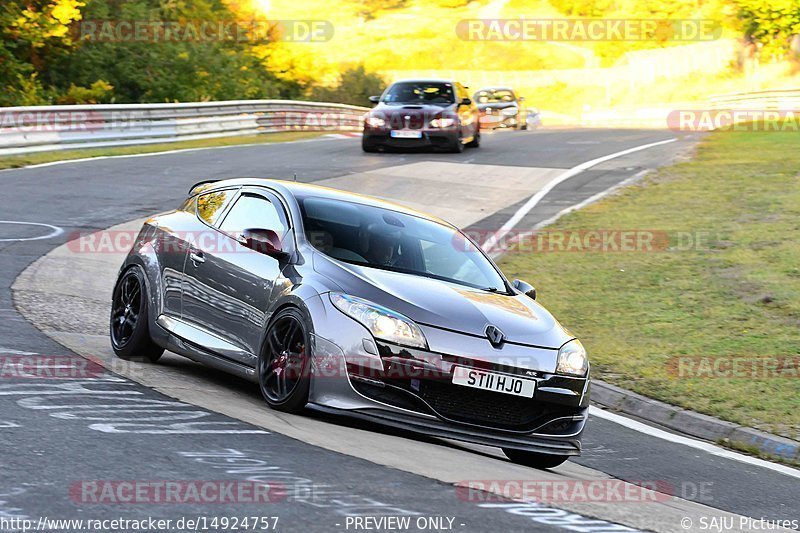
[390, 240]
[420, 93]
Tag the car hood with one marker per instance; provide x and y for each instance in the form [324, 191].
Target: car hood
[446, 305]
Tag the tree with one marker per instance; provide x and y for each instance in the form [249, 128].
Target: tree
[35, 34]
[73, 51]
[190, 66]
[355, 87]
[771, 23]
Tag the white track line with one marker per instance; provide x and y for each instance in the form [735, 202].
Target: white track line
[692, 443]
[536, 198]
[55, 231]
[166, 152]
[579, 205]
[592, 199]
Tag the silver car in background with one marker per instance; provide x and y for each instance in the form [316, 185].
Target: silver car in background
[355, 306]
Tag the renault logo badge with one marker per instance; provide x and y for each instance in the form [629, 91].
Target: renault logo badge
[495, 336]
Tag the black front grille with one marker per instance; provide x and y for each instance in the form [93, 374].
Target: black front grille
[476, 406]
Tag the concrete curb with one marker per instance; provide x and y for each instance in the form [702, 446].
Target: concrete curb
[691, 423]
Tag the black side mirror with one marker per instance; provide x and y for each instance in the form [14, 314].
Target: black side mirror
[466, 101]
[263, 241]
[374, 99]
[525, 288]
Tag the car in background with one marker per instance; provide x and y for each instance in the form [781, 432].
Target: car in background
[500, 107]
[422, 114]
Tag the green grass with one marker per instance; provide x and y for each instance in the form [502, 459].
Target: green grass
[736, 295]
[755, 451]
[16, 161]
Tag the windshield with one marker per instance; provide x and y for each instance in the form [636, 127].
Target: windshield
[411, 92]
[390, 240]
[494, 96]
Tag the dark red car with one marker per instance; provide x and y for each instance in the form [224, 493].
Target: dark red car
[422, 114]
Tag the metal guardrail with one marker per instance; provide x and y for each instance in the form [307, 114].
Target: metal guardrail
[52, 128]
[780, 99]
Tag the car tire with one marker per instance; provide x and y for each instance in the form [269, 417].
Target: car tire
[284, 375]
[129, 320]
[369, 148]
[457, 147]
[476, 141]
[533, 459]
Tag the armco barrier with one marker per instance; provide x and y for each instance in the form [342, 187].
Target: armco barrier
[780, 100]
[50, 128]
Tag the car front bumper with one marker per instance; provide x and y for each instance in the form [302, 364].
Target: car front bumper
[498, 120]
[433, 427]
[413, 390]
[429, 138]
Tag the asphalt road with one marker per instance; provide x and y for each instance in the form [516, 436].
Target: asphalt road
[59, 433]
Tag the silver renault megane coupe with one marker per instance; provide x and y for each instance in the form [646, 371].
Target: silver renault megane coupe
[352, 305]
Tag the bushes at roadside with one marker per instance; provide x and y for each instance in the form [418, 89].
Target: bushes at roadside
[355, 87]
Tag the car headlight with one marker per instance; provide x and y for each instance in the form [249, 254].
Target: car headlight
[375, 122]
[572, 359]
[382, 322]
[443, 122]
[511, 111]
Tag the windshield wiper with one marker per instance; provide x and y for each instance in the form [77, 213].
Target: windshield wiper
[490, 289]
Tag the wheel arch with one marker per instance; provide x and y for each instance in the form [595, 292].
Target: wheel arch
[291, 300]
[152, 286]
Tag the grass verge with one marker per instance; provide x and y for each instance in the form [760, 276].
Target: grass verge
[17, 161]
[672, 323]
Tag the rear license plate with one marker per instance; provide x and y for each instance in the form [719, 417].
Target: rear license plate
[478, 379]
[406, 134]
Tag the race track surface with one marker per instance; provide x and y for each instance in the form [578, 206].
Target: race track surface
[180, 421]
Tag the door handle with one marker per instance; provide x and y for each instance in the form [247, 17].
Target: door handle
[197, 257]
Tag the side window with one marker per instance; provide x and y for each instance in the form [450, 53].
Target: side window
[251, 211]
[210, 206]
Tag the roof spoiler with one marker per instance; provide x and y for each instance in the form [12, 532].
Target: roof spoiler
[199, 184]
